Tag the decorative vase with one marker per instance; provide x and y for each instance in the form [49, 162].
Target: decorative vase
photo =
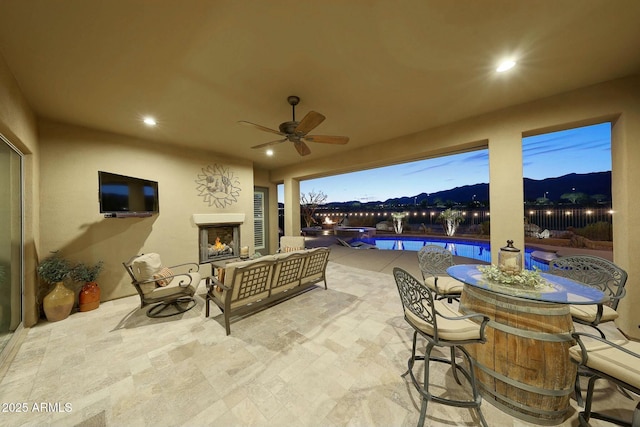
[89, 297]
[58, 303]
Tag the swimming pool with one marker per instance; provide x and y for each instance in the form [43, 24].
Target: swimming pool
[465, 248]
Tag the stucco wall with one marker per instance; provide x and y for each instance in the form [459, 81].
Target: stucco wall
[69, 210]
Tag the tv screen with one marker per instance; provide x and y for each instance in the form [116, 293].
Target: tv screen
[119, 193]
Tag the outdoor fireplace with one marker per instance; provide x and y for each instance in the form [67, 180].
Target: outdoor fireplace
[219, 237]
[219, 242]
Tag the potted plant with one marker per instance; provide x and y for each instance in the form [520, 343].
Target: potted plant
[58, 303]
[89, 297]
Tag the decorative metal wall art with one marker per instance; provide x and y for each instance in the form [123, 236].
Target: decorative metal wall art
[218, 186]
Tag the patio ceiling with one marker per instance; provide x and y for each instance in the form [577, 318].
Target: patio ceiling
[376, 69]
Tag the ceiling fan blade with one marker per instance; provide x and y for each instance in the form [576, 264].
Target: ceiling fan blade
[327, 139]
[266, 129]
[266, 144]
[308, 122]
[302, 148]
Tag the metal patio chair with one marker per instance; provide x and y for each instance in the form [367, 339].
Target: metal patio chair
[617, 362]
[596, 272]
[441, 326]
[434, 261]
[601, 274]
[168, 290]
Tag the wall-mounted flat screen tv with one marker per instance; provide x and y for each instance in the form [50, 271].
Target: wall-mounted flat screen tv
[120, 194]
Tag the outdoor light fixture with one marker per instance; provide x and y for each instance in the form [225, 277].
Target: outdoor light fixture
[149, 121]
[505, 65]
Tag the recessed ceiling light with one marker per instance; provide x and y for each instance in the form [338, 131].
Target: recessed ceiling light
[149, 121]
[269, 152]
[505, 65]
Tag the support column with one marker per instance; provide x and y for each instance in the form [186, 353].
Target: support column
[292, 207]
[506, 193]
[625, 175]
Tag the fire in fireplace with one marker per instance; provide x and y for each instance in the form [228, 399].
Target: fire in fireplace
[219, 242]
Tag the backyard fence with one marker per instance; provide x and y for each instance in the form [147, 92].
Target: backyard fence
[551, 218]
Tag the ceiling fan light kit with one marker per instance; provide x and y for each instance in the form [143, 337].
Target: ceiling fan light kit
[296, 132]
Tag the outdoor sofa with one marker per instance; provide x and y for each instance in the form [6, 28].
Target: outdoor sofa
[249, 286]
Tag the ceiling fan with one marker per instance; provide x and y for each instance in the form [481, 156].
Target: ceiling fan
[296, 132]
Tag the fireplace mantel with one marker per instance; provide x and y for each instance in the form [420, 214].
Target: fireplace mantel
[218, 218]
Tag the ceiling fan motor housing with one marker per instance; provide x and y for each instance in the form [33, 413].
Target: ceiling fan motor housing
[288, 127]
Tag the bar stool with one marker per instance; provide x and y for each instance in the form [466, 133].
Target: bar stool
[441, 326]
[434, 261]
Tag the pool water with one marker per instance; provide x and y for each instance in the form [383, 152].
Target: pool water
[469, 249]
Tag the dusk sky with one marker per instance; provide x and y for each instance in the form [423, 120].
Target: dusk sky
[580, 150]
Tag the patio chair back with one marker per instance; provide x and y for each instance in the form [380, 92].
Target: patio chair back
[594, 271]
[434, 261]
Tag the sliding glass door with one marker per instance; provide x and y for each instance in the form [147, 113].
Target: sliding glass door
[10, 241]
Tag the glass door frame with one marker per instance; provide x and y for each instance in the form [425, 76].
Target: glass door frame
[6, 349]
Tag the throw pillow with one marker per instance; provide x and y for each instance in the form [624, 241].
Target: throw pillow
[161, 276]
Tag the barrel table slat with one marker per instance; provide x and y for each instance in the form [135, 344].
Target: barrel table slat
[524, 367]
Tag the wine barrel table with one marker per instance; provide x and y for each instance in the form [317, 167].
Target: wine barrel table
[524, 368]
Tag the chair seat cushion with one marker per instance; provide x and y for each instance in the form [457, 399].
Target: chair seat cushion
[165, 294]
[449, 330]
[611, 361]
[182, 283]
[587, 313]
[447, 285]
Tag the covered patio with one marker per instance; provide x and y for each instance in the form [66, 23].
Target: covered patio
[325, 358]
[404, 83]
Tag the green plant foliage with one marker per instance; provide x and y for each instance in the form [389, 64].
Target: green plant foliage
[82, 272]
[54, 269]
[525, 279]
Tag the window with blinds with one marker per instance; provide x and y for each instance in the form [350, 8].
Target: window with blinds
[259, 226]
